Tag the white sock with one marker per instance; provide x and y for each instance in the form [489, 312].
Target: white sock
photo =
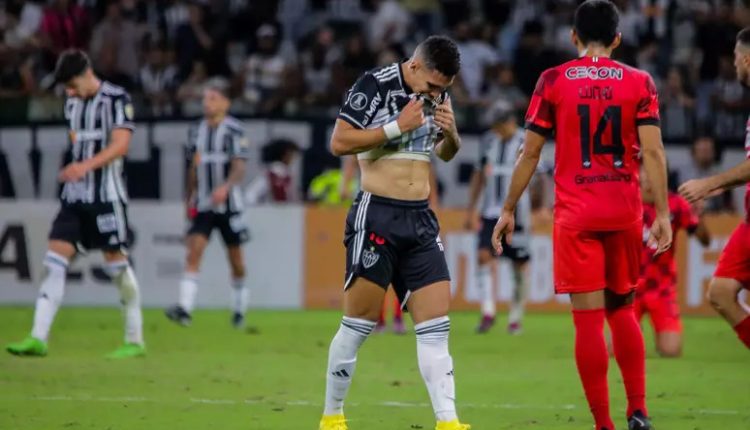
[130, 296]
[487, 290]
[188, 291]
[436, 366]
[240, 296]
[342, 360]
[518, 301]
[51, 293]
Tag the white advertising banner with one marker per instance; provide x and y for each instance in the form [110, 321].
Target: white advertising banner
[273, 257]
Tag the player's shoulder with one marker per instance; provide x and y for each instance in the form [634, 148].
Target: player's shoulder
[113, 91]
[634, 73]
[386, 74]
[234, 125]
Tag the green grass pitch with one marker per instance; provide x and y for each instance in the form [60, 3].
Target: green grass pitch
[210, 377]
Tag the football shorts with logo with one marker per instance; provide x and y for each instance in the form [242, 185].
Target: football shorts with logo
[230, 224]
[518, 252]
[587, 260]
[91, 226]
[734, 262]
[393, 242]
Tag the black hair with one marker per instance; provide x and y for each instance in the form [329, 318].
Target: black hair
[441, 53]
[277, 149]
[72, 63]
[743, 37]
[597, 21]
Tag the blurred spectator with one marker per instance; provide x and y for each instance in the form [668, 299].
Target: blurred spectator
[158, 79]
[677, 107]
[16, 79]
[275, 184]
[730, 102]
[317, 62]
[389, 25]
[355, 60]
[64, 25]
[23, 23]
[532, 56]
[503, 86]
[264, 73]
[705, 162]
[114, 47]
[193, 41]
[477, 56]
[175, 15]
[455, 12]
[190, 93]
[426, 16]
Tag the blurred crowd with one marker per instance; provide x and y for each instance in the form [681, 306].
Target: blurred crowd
[298, 57]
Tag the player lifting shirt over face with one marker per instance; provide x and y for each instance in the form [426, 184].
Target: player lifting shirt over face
[393, 118]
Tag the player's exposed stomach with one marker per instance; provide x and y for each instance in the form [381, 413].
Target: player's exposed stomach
[396, 178]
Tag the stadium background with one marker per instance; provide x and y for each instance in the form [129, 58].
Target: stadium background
[290, 63]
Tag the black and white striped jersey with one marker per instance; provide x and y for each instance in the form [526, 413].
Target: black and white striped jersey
[497, 161]
[376, 99]
[212, 150]
[90, 124]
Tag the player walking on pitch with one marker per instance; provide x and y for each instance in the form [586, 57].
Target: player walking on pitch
[600, 111]
[502, 145]
[218, 152]
[93, 209]
[733, 269]
[393, 118]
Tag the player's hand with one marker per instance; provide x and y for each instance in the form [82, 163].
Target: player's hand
[504, 228]
[220, 195]
[695, 189]
[412, 116]
[445, 119]
[73, 172]
[660, 236]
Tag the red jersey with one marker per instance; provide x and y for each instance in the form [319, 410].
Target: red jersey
[747, 187]
[660, 271]
[594, 106]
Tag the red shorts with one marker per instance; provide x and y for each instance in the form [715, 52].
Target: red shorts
[662, 307]
[734, 262]
[586, 261]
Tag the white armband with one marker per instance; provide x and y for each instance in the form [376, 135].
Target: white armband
[392, 131]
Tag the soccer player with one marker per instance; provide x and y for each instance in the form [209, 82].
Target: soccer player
[218, 151]
[733, 269]
[93, 209]
[393, 118]
[500, 149]
[398, 318]
[603, 115]
[657, 289]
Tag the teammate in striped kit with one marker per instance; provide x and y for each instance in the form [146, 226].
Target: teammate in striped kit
[218, 151]
[733, 269]
[500, 149]
[93, 201]
[393, 118]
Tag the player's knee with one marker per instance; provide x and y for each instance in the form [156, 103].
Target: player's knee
[238, 268]
[721, 294]
[669, 350]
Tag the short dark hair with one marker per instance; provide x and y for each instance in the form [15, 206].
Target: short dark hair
[71, 63]
[220, 85]
[441, 53]
[597, 21]
[743, 37]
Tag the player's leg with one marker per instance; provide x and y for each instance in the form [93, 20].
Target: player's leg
[240, 290]
[234, 233]
[665, 316]
[623, 257]
[398, 317]
[363, 300]
[486, 265]
[579, 271]
[732, 274]
[180, 313]
[723, 294]
[118, 267]
[518, 300]
[64, 234]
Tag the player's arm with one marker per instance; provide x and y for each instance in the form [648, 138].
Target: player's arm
[118, 146]
[701, 232]
[698, 189]
[238, 156]
[655, 164]
[448, 146]
[476, 184]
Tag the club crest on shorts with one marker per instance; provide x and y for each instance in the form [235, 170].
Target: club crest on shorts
[369, 258]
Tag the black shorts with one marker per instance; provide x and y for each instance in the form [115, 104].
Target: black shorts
[518, 254]
[394, 242]
[230, 225]
[93, 226]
